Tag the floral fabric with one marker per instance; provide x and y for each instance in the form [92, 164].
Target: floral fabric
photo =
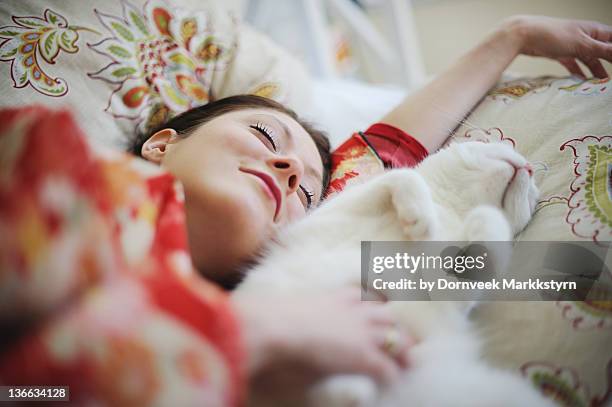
[126, 66]
[564, 127]
[97, 287]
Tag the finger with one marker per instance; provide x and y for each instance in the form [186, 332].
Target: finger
[595, 67]
[380, 316]
[572, 66]
[403, 358]
[601, 32]
[396, 344]
[377, 311]
[380, 367]
[599, 49]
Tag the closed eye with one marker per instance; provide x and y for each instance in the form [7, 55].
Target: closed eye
[267, 133]
[308, 196]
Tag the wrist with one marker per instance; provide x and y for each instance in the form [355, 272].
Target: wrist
[264, 342]
[513, 32]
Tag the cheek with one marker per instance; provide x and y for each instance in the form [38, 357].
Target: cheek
[295, 209]
[226, 227]
[242, 143]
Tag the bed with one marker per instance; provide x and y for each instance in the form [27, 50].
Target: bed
[123, 67]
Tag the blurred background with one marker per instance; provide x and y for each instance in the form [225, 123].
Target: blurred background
[464, 22]
[400, 42]
[365, 56]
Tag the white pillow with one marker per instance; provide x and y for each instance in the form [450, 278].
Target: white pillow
[341, 107]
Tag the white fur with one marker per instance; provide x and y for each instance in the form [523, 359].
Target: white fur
[461, 193]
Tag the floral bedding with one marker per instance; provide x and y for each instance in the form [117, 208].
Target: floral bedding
[128, 65]
[564, 127]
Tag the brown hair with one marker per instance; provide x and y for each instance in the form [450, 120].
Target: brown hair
[188, 121]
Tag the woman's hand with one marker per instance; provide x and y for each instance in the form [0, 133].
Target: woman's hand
[312, 337]
[433, 112]
[565, 40]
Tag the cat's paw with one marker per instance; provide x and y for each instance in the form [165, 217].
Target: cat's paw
[417, 223]
[414, 206]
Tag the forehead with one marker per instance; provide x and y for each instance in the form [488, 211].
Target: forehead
[297, 142]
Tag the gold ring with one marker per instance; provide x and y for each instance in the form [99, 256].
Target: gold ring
[391, 343]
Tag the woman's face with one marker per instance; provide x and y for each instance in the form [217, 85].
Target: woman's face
[245, 174]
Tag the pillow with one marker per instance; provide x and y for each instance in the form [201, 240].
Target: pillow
[126, 66]
[343, 106]
[564, 127]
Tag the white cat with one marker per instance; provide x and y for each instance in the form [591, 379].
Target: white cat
[466, 192]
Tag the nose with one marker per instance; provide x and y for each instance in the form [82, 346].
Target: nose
[527, 167]
[288, 172]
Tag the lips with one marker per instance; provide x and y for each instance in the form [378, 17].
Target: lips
[271, 188]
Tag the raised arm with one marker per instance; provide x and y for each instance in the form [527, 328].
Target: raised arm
[431, 114]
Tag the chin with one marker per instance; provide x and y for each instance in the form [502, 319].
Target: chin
[224, 245]
[227, 271]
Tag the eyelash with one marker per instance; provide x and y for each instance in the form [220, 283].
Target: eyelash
[309, 196]
[268, 134]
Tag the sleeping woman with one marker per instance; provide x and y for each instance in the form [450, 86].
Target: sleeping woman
[139, 332]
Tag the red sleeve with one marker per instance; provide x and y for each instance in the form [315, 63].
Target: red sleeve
[368, 153]
[394, 147]
[98, 291]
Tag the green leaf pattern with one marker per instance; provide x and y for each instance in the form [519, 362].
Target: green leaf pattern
[35, 39]
[30, 22]
[119, 51]
[155, 54]
[139, 23]
[123, 32]
[50, 47]
[68, 41]
[50, 41]
[590, 202]
[123, 72]
[9, 54]
[7, 33]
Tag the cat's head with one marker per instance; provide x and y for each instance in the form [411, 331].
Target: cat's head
[465, 175]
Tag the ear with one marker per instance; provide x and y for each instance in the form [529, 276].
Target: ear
[155, 147]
